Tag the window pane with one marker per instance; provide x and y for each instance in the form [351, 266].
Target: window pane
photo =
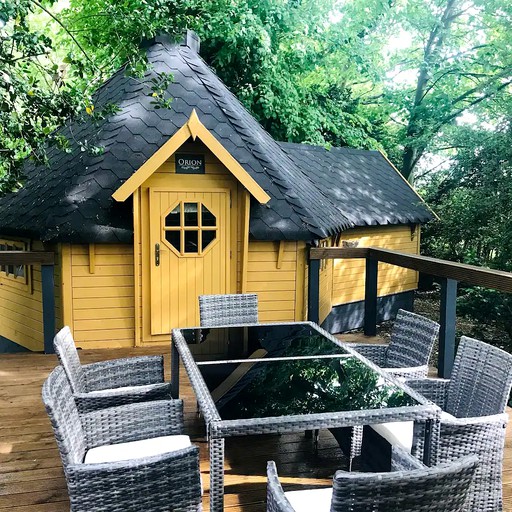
[191, 218]
[10, 269]
[173, 237]
[20, 271]
[208, 238]
[173, 219]
[207, 217]
[191, 241]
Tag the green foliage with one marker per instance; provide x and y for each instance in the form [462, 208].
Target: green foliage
[474, 201]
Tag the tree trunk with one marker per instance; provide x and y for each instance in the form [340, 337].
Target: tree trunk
[412, 150]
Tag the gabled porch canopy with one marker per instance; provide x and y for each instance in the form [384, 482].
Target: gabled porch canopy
[195, 129]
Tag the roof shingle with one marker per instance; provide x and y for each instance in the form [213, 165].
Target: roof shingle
[314, 192]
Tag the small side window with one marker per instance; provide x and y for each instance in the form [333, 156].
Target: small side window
[12, 272]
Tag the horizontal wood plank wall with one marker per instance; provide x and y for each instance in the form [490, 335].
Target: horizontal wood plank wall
[348, 275]
[21, 307]
[103, 302]
[275, 287]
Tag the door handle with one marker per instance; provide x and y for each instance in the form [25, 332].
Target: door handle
[157, 254]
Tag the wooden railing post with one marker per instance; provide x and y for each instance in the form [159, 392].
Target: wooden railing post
[370, 297]
[314, 291]
[47, 278]
[447, 331]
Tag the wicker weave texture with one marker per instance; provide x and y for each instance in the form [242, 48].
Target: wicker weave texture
[96, 385]
[412, 340]
[230, 309]
[476, 396]
[443, 488]
[481, 380]
[219, 429]
[170, 481]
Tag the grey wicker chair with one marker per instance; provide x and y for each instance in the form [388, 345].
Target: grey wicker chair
[407, 355]
[230, 309]
[409, 349]
[474, 421]
[110, 383]
[127, 458]
[443, 488]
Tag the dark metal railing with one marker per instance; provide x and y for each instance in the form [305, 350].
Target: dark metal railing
[449, 273]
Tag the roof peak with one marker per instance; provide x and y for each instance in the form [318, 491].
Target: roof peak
[189, 40]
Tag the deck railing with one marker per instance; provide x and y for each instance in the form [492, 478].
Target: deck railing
[450, 274]
[47, 262]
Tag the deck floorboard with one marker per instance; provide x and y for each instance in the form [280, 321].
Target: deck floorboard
[31, 477]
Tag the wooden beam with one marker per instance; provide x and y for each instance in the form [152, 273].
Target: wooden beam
[246, 212]
[447, 320]
[370, 297]
[325, 253]
[26, 258]
[48, 284]
[468, 274]
[280, 254]
[314, 291]
[92, 259]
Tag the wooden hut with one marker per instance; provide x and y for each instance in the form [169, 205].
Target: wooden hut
[151, 207]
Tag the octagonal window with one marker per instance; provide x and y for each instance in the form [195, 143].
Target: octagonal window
[190, 228]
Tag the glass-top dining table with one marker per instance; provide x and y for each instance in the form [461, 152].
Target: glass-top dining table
[276, 378]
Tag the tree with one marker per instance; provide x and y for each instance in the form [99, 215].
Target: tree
[463, 57]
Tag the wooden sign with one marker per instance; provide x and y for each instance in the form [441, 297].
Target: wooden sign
[189, 164]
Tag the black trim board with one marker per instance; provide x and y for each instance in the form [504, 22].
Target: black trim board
[346, 317]
[9, 347]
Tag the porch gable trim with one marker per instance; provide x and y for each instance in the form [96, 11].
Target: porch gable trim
[195, 129]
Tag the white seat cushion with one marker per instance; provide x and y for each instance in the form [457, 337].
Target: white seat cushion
[120, 391]
[446, 416]
[397, 433]
[310, 500]
[136, 449]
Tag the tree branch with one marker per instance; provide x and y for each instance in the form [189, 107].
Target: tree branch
[35, 2]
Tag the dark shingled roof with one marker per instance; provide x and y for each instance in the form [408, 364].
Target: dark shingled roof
[314, 192]
[364, 186]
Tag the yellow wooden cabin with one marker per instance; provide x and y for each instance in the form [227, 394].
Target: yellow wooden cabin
[171, 203]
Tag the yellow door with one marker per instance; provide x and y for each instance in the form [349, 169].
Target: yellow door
[189, 252]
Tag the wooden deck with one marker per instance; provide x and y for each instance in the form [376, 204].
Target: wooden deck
[31, 478]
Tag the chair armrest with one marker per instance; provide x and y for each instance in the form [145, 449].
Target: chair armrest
[101, 399]
[276, 500]
[415, 372]
[402, 460]
[376, 353]
[169, 481]
[130, 371]
[434, 390]
[133, 422]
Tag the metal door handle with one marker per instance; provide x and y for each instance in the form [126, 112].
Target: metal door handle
[157, 254]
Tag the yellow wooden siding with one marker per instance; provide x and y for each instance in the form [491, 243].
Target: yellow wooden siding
[103, 302]
[275, 287]
[348, 275]
[21, 308]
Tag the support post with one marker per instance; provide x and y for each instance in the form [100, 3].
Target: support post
[314, 291]
[370, 297]
[47, 278]
[447, 331]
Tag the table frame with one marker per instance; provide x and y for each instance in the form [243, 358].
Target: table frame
[218, 429]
